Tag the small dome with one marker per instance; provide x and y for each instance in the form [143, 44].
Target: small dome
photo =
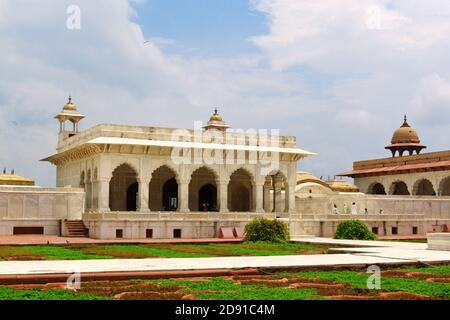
[405, 134]
[216, 122]
[70, 106]
[304, 177]
[15, 180]
[216, 116]
[342, 186]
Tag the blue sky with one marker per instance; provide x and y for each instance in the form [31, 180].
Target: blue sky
[338, 75]
[202, 27]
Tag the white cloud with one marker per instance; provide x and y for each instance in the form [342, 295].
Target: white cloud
[342, 35]
[339, 86]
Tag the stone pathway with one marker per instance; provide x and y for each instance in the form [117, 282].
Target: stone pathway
[360, 253]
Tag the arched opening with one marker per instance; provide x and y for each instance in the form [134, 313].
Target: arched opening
[207, 198]
[203, 190]
[445, 187]
[376, 188]
[399, 188]
[123, 189]
[132, 194]
[424, 187]
[240, 191]
[275, 193]
[163, 190]
[170, 195]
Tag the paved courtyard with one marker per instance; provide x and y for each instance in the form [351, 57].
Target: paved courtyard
[356, 253]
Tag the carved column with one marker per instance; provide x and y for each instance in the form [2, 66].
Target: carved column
[277, 203]
[143, 205]
[222, 192]
[183, 196]
[103, 195]
[259, 197]
[290, 199]
[267, 188]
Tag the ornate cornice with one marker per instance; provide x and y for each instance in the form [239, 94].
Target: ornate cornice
[78, 153]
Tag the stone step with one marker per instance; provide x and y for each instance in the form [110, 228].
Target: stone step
[76, 228]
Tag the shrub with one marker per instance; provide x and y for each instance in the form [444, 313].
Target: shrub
[353, 230]
[261, 229]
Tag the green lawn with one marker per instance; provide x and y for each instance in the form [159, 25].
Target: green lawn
[226, 289]
[359, 281]
[434, 269]
[287, 286]
[116, 251]
[7, 293]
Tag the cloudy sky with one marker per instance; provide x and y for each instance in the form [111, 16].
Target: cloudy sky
[337, 74]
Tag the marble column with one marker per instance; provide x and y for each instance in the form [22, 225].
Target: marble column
[277, 203]
[267, 188]
[143, 205]
[259, 197]
[289, 199]
[183, 196]
[103, 195]
[222, 194]
[89, 206]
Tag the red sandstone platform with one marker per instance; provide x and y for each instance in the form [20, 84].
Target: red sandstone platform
[43, 240]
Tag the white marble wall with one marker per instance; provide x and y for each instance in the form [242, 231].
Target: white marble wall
[436, 178]
[193, 224]
[36, 207]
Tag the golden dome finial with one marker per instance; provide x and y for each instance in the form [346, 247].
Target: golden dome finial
[405, 121]
[216, 116]
[70, 106]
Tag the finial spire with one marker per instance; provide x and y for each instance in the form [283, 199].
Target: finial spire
[216, 112]
[70, 98]
[405, 121]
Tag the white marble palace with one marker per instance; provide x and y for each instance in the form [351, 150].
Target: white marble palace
[133, 182]
[141, 180]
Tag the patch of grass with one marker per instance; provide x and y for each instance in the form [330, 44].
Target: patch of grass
[18, 253]
[251, 293]
[113, 251]
[434, 269]
[228, 290]
[254, 249]
[359, 280]
[7, 293]
[155, 251]
[124, 251]
[62, 253]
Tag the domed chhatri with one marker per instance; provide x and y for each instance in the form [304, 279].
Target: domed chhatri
[405, 134]
[216, 116]
[404, 139]
[70, 106]
[216, 122]
[69, 113]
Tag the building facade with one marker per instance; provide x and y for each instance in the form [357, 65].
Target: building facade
[27, 209]
[159, 178]
[426, 174]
